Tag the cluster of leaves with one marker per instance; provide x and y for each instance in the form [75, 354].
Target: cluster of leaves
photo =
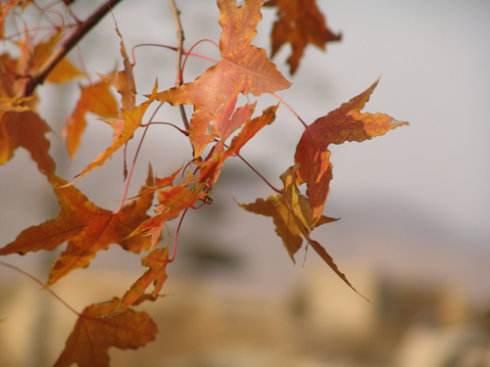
[217, 131]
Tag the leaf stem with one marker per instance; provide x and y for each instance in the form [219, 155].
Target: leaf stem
[176, 238]
[135, 158]
[249, 165]
[291, 109]
[44, 286]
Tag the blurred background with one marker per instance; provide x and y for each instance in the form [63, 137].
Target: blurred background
[414, 204]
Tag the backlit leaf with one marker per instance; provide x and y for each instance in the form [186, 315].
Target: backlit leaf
[243, 68]
[87, 228]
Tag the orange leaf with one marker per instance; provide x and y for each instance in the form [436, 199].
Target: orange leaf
[64, 72]
[156, 261]
[27, 130]
[299, 23]
[95, 98]
[290, 212]
[250, 129]
[87, 228]
[243, 68]
[320, 250]
[346, 123]
[101, 326]
[172, 202]
[124, 128]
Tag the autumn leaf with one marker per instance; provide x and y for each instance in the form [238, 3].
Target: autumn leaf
[172, 201]
[243, 68]
[156, 262]
[87, 228]
[64, 71]
[210, 167]
[124, 127]
[250, 129]
[346, 123]
[101, 326]
[25, 129]
[94, 98]
[299, 23]
[290, 211]
[293, 220]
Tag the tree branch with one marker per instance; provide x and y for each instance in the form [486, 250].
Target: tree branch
[180, 41]
[82, 29]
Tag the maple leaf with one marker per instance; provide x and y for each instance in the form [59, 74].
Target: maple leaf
[210, 168]
[172, 201]
[95, 98]
[101, 326]
[243, 68]
[41, 54]
[290, 212]
[293, 220]
[63, 72]
[87, 228]
[25, 129]
[156, 261]
[124, 127]
[299, 23]
[346, 123]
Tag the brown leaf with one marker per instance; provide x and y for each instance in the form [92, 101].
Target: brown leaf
[346, 123]
[87, 228]
[25, 129]
[290, 212]
[243, 68]
[95, 98]
[156, 262]
[101, 326]
[299, 23]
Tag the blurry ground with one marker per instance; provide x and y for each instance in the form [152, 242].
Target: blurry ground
[415, 206]
[317, 322]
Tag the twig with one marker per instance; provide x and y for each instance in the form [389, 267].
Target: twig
[180, 41]
[266, 181]
[68, 44]
[33, 278]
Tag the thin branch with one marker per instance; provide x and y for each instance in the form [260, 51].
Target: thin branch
[180, 41]
[68, 44]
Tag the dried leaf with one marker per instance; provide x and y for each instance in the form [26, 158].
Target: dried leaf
[156, 261]
[95, 98]
[101, 326]
[65, 71]
[290, 212]
[87, 228]
[124, 128]
[346, 123]
[25, 129]
[243, 68]
[299, 23]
